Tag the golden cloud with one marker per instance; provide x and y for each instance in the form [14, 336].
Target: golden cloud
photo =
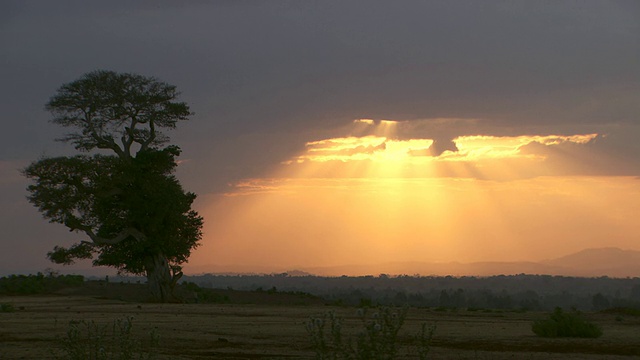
[470, 148]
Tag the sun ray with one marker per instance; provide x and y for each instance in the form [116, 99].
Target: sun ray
[372, 197]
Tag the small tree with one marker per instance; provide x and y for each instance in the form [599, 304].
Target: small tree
[566, 324]
[134, 212]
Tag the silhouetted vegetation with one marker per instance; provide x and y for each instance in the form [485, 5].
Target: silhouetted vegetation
[193, 293]
[37, 284]
[622, 311]
[203, 295]
[514, 292]
[6, 307]
[341, 333]
[566, 324]
[135, 215]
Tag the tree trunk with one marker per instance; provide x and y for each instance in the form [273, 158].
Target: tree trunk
[159, 278]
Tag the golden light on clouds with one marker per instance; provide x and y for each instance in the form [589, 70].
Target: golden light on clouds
[371, 147]
[483, 147]
[373, 197]
[381, 149]
[382, 155]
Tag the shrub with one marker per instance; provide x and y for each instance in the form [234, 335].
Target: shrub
[377, 339]
[563, 324]
[7, 307]
[203, 295]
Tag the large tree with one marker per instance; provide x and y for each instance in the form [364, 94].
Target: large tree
[124, 197]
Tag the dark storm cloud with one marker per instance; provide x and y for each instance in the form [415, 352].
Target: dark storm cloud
[251, 65]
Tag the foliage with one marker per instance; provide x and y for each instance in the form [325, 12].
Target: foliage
[513, 292]
[202, 295]
[88, 340]
[423, 339]
[106, 107]
[111, 195]
[563, 324]
[377, 337]
[134, 211]
[37, 284]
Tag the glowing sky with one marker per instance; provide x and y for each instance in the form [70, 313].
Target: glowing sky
[371, 198]
[328, 132]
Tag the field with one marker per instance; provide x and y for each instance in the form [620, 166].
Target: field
[271, 329]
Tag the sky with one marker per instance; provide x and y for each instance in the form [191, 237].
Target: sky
[353, 132]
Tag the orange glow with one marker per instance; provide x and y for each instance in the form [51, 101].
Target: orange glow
[376, 198]
[293, 223]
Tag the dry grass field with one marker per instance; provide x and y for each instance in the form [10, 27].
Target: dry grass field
[276, 330]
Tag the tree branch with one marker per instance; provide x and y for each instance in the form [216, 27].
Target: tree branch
[118, 238]
[101, 141]
[128, 137]
[152, 136]
[75, 224]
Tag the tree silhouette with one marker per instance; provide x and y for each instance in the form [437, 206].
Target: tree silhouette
[134, 212]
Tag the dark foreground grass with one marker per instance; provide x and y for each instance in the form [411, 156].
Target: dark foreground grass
[266, 325]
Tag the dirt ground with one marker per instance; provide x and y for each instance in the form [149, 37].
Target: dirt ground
[277, 331]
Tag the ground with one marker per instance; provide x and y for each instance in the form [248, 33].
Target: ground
[272, 326]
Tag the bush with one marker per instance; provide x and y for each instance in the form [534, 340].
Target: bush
[7, 307]
[377, 338]
[203, 295]
[563, 324]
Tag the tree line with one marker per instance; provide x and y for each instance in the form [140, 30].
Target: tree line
[523, 292]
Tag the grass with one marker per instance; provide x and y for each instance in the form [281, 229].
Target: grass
[376, 337]
[260, 330]
[89, 340]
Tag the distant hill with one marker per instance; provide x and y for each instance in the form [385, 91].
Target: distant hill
[612, 262]
[440, 269]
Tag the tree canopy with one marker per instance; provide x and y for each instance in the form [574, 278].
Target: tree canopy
[131, 207]
[115, 111]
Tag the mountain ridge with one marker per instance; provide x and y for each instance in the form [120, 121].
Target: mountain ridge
[591, 262]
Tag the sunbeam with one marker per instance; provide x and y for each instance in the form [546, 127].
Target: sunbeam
[373, 198]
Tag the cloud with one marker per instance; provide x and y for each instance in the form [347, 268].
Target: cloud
[493, 147]
[463, 148]
[485, 157]
[442, 70]
[264, 79]
[441, 145]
